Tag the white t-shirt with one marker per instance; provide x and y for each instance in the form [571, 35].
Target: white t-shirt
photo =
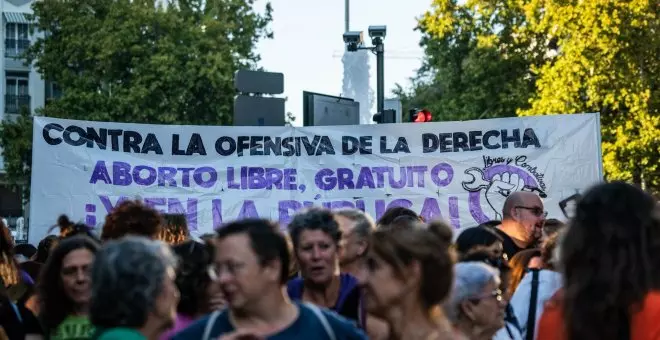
[549, 283]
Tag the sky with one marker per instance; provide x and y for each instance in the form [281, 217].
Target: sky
[308, 45]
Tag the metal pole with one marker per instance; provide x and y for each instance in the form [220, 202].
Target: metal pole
[380, 76]
[2, 63]
[347, 10]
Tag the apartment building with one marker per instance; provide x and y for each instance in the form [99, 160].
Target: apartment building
[21, 88]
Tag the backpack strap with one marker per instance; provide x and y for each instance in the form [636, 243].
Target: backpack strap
[531, 316]
[210, 323]
[324, 321]
[16, 311]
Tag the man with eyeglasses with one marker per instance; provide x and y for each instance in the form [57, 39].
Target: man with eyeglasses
[522, 222]
[251, 267]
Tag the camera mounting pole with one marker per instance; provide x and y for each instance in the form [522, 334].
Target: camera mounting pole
[354, 42]
[379, 49]
[347, 10]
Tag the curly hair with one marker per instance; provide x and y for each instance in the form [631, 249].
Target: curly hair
[428, 244]
[314, 219]
[132, 218]
[175, 230]
[192, 276]
[55, 305]
[610, 256]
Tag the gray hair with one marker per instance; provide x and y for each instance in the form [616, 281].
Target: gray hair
[470, 280]
[364, 224]
[127, 277]
[314, 218]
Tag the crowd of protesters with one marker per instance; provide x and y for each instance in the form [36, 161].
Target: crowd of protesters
[339, 274]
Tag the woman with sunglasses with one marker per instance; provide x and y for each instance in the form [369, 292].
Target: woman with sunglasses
[512, 329]
[476, 306]
[195, 281]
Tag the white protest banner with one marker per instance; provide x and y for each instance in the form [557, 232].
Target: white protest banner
[458, 171]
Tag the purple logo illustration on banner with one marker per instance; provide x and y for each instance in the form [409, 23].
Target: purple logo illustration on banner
[499, 178]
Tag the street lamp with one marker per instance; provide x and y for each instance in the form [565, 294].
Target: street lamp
[354, 41]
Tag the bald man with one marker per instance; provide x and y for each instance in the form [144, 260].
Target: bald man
[522, 221]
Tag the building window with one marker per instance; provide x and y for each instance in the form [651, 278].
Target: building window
[17, 93]
[17, 39]
[53, 91]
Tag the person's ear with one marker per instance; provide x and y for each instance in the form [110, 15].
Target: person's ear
[413, 274]
[515, 213]
[362, 247]
[468, 309]
[273, 269]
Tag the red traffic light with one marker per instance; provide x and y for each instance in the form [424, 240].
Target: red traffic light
[422, 116]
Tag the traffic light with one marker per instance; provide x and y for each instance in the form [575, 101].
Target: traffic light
[420, 116]
[386, 117]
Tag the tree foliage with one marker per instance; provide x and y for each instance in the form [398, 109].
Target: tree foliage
[289, 118]
[608, 62]
[144, 61]
[494, 58]
[474, 67]
[16, 139]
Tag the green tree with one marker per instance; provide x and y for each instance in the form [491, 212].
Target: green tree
[143, 62]
[529, 57]
[473, 67]
[16, 141]
[289, 119]
[608, 61]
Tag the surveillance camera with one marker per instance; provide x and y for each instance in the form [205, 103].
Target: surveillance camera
[353, 38]
[377, 31]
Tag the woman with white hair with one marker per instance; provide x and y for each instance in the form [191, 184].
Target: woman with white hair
[476, 306]
[134, 294]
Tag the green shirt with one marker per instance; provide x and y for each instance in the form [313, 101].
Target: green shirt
[74, 328]
[121, 334]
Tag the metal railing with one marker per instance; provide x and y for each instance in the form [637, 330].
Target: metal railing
[16, 47]
[14, 103]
